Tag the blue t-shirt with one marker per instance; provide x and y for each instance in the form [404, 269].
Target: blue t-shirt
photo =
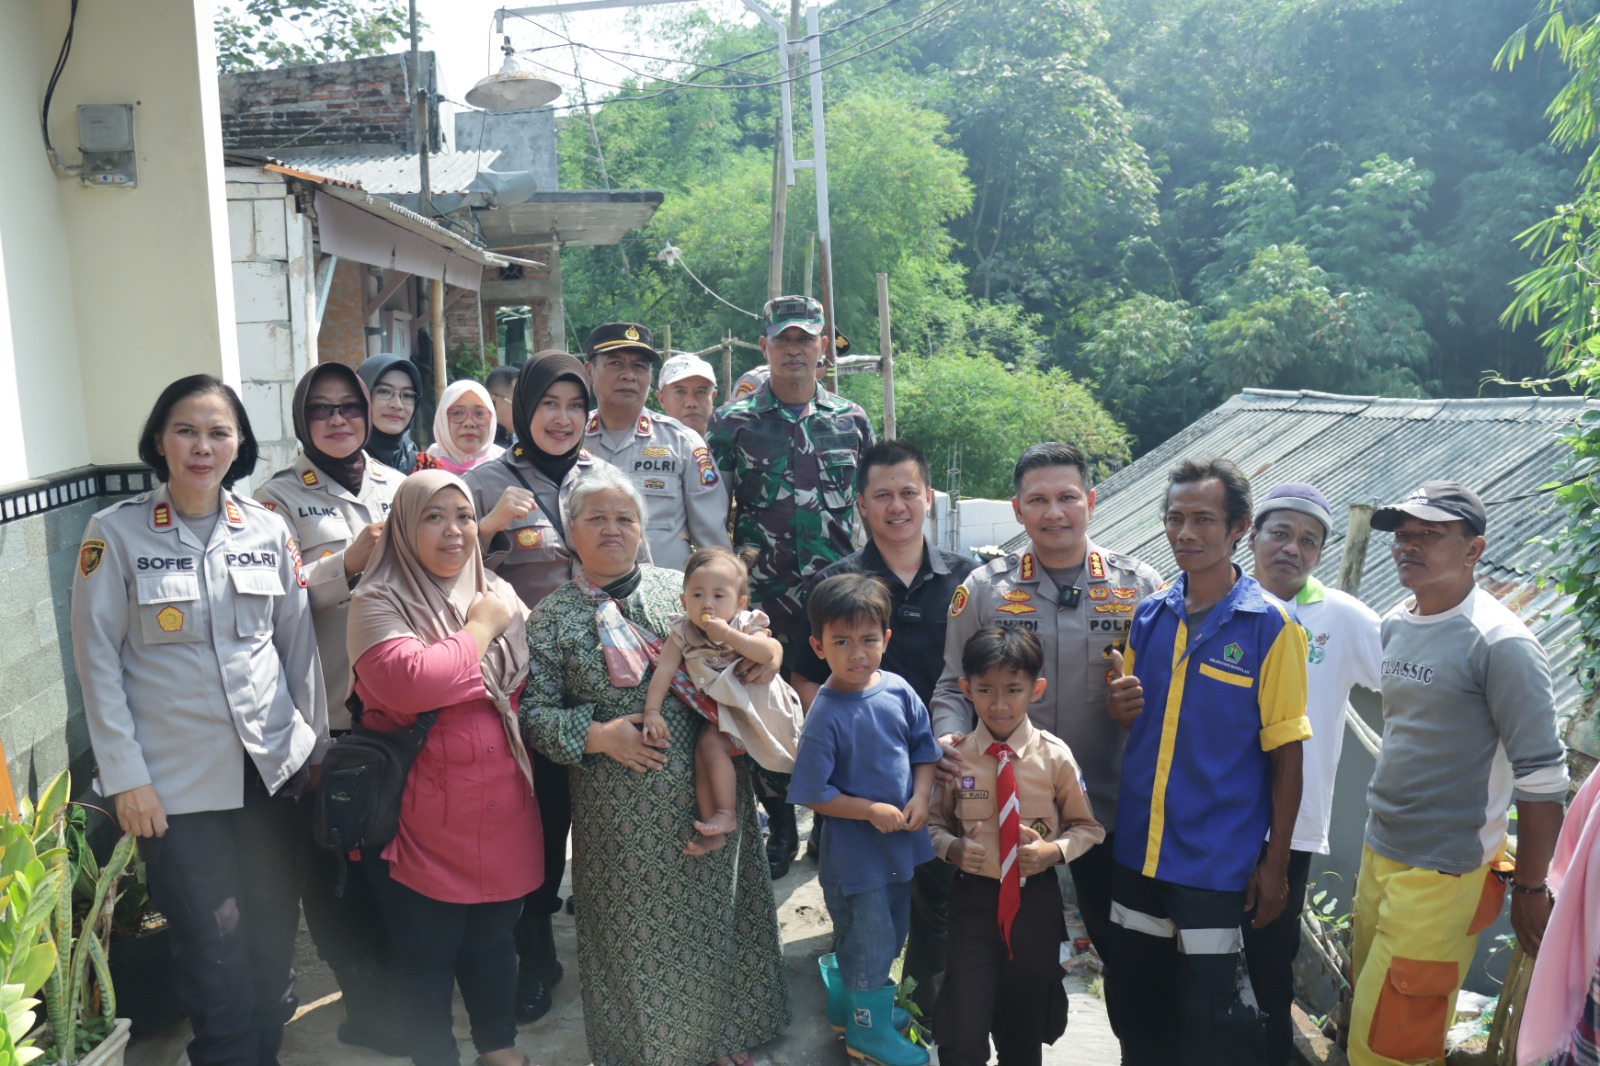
[864, 744]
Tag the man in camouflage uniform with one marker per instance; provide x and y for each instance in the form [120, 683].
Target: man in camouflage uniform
[1079, 599]
[788, 452]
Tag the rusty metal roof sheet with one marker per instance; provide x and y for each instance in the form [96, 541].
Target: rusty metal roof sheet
[1364, 449]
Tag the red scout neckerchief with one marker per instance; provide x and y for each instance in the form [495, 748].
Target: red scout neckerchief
[1005, 780]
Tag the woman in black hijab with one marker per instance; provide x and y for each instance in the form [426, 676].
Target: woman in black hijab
[396, 388]
[335, 497]
[522, 497]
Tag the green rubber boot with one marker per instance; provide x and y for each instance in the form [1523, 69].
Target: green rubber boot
[838, 1006]
[869, 1035]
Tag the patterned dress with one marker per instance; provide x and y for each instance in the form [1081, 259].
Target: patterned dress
[679, 955]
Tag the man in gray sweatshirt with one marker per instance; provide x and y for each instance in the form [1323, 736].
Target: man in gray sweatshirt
[1469, 728]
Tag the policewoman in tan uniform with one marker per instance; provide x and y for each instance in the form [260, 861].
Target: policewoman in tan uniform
[1078, 599]
[522, 497]
[668, 461]
[196, 654]
[335, 497]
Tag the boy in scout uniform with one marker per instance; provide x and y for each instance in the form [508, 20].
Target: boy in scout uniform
[1017, 810]
[688, 507]
[1078, 599]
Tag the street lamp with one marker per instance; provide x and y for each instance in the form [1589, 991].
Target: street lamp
[511, 88]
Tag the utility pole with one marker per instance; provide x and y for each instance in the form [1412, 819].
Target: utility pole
[780, 208]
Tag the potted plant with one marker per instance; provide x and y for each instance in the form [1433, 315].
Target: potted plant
[28, 893]
[80, 1001]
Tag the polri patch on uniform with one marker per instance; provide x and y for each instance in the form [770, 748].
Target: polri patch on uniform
[708, 469]
[294, 555]
[1097, 565]
[529, 538]
[170, 619]
[958, 602]
[90, 556]
[1125, 594]
[1099, 593]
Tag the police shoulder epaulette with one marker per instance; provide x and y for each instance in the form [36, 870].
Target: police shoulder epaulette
[131, 501]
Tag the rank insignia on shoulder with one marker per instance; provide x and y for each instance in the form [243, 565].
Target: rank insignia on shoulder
[170, 619]
[593, 426]
[235, 518]
[745, 388]
[1097, 565]
[162, 516]
[269, 505]
[585, 456]
[644, 428]
[310, 478]
[958, 602]
[1125, 594]
[1027, 569]
[657, 452]
[90, 556]
[1099, 594]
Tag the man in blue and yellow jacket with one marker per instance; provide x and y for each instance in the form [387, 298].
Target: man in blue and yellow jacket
[1214, 694]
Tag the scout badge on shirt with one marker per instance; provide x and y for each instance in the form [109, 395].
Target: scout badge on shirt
[90, 556]
[1041, 827]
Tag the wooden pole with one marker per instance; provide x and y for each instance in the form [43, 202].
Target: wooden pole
[1354, 560]
[666, 338]
[727, 364]
[436, 331]
[885, 357]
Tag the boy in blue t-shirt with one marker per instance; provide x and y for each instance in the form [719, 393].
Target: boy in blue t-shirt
[866, 761]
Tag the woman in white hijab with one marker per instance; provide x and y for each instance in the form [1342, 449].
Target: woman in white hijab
[430, 630]
[463, 427]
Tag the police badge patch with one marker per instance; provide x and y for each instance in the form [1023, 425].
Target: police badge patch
[90, 556]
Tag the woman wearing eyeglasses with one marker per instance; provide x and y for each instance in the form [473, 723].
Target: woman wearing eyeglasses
[335, 497]
[395, 386]
[463, 428]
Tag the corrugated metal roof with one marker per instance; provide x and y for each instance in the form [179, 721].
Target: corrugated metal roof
[389, 174]
[1364, 449]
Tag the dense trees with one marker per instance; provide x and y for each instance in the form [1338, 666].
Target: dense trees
[1169, 200]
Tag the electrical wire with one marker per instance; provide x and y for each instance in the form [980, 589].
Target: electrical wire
[673, 256]
[55, 76]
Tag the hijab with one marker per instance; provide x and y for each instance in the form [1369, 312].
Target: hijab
[392, 449]
[399, 597]
[348, 471]
[539, 373]
[444, 447]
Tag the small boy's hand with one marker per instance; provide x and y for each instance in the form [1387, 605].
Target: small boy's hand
[655, 726]
[886, 817]
[967, 853]
[1035, 854]
[916, 812]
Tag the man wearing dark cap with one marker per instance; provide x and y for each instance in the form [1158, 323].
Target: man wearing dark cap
[1292, 523]
[789, 452]
[1469, 728]
[669, 462]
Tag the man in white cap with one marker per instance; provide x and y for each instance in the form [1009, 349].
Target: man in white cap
[1292, 523]
[688, 390]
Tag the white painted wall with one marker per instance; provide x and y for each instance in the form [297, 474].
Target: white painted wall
[985, 522]
[274, 294]
[110, 293]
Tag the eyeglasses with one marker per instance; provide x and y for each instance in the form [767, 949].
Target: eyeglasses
[384, 394]
[502, 399]
[469, 414]
[321, 412]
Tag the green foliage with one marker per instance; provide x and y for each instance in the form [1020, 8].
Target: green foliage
[30, 885]
[992, 413]
[291, 33]
[1559, 295]
[1143, 362]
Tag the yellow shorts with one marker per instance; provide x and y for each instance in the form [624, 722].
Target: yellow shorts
[1414, 933]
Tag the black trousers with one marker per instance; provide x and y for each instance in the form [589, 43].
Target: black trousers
[1180, 994]
[435, 946]
[554, 793]
[1016, 998]
[1270, 955]
[226, 880]
[925, 945]
[346, 929]
[1091, 878]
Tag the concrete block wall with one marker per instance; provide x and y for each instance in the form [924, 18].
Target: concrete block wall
[274, 292]
[356, 102]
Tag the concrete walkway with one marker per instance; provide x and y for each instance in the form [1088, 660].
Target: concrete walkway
[558, 1039]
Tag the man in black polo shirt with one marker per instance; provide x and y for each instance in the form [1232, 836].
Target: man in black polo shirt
[893, 495]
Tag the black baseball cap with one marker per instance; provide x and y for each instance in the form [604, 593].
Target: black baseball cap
[621, 336]
[1435, 501]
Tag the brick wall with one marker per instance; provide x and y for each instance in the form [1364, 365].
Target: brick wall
[357, 102]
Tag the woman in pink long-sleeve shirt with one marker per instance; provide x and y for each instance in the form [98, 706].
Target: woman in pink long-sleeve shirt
[430, 630]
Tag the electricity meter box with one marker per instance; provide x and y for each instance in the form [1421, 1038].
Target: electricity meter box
[105, 137]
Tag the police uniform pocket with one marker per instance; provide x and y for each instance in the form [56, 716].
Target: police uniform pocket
[1409, 1020]
[256, 593]
[169, 608]
[325, 537]
[660, 497]
[837, 475]
[534, 535]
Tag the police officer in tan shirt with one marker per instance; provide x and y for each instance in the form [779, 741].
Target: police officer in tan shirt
[1078, 599]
